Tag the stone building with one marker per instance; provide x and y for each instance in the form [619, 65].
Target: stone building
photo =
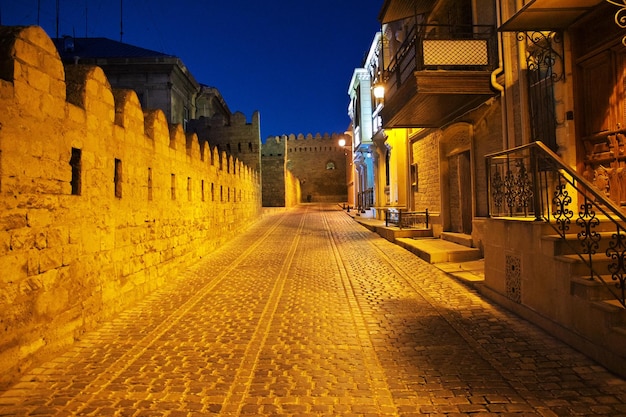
[318, 163]
[561, 89]
[436, 65]
[363, 110]
[163, 82]
[101, 200]
[505, 120]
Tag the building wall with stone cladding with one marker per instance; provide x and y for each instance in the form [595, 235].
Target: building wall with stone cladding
[101, 201]
[433, 151]
[426, 179]
[427, 193]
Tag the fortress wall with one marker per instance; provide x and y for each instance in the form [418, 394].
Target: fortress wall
[239, 137]
[101, 202]
[274, 173]
[321, 165]
[314, 168]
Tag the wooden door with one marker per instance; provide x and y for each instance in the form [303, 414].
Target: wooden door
[460, 193]
[602, 138]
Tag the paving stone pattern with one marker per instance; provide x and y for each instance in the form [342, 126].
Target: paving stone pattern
[308, 313]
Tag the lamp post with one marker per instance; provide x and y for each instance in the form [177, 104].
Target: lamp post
[347, 151]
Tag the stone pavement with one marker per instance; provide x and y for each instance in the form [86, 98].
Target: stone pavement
[308, 313]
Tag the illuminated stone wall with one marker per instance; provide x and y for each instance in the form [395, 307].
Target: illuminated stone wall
[298, 169]
[235, 135]
[101, 202]
[273, 162]
[320, 164]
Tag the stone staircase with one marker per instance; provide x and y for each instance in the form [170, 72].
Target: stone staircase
[594, 310]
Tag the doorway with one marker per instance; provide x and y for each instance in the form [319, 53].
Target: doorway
[460, 189]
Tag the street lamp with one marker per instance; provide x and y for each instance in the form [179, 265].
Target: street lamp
[379, 91]
[347, 151]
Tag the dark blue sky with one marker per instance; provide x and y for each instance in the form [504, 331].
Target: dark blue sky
[290, 60]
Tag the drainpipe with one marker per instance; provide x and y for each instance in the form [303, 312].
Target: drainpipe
[523, 82]
[407, 169]
[498, 71]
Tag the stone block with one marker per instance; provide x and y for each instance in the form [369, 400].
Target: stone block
[57, 236]
[13, 220]
[14, 266]
[51, 302]
[70, 254]
[22, 239]
[50, 258]
[33, 262]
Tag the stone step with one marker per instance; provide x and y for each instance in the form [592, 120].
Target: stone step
[592, 289]
[459, 238]
[578, 267]
[612, 311]
[435, 250]
[572, 244]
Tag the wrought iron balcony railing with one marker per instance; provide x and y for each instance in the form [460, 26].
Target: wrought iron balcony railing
[532, 181]
[442, 47]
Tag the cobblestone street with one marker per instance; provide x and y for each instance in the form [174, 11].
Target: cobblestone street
[308, 313]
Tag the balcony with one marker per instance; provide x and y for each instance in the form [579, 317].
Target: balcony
[437, 74]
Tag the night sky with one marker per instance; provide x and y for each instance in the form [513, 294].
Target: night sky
[290, 60]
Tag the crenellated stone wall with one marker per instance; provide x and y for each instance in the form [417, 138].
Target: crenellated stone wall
[318, 162]
[273, 156]
[235, 135]
[101, 201]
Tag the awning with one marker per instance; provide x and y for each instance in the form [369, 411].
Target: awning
[548, 15]
[393, 10]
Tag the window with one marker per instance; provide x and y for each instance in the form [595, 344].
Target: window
[202, 189]
[117, 178]
[75, 163]
[173, 186]
[188, 188]
[545, 67]
[330, 165]
[185, 117]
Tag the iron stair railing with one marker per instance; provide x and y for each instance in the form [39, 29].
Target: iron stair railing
[532, 181]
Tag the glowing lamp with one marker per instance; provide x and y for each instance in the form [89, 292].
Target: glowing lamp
[379, 91]
[342, 142]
